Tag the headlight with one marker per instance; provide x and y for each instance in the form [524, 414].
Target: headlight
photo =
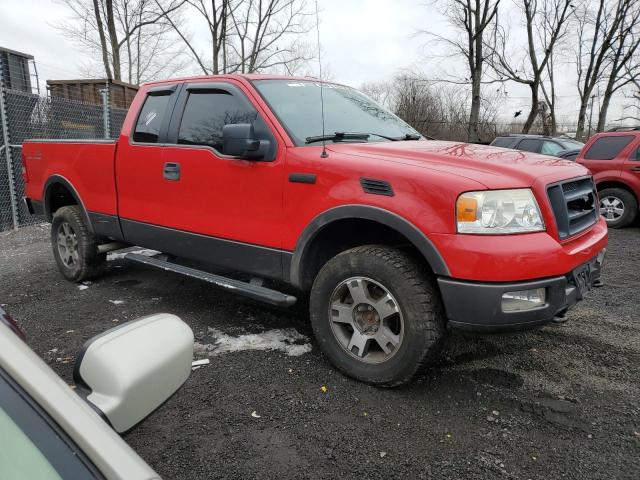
[497, 212]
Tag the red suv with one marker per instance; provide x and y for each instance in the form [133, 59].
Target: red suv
[614, 159]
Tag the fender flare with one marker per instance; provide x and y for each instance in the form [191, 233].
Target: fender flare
[364, 212]
[59, 179]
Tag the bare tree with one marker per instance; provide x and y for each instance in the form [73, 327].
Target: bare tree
[434, 108]
[623, 61]
[381, 92]
[597, 32]
[473, 21]
[216, 15]
[268, 34]
[249, 36]
[632, 108]
[546, 23]
[114, 27]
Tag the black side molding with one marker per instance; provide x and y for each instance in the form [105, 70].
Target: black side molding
[302, 178]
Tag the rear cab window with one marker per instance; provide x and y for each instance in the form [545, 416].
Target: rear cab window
[150, 119]
[607, 148]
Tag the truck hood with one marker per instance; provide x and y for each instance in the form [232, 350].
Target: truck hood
[494, 167]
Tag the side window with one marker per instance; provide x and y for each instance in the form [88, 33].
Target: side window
[207, 112]
[150, 119]
[607, 148]
[530, 145]
[504, 142]
[636, 156]
[550, 148]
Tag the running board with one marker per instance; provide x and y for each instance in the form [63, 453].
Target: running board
[256, 292]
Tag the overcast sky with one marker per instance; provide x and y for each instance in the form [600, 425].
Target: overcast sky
[362, 41]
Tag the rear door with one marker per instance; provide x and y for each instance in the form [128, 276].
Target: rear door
[139, 160]
[631, 167]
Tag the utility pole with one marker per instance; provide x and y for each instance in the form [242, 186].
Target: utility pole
[591, 113]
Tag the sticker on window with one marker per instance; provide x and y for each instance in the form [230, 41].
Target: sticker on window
[150, 117]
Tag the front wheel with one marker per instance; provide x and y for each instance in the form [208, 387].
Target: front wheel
[376, 315]
[618, 207]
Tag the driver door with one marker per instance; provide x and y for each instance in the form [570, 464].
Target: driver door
[207, 205]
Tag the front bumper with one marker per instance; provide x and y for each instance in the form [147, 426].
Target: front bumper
[477, 306]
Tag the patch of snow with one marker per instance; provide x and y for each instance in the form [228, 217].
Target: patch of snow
[288, 341]
[121, 253]
[195, 365]
[83, 287]
[117, 302]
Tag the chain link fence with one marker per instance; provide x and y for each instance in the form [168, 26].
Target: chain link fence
[25, 115]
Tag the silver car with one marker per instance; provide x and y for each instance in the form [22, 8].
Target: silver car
[50, 431]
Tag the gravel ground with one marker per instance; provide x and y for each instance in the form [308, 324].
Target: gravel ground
[561, 402]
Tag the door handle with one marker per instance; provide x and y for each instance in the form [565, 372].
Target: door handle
[171, 171]
[635, 169]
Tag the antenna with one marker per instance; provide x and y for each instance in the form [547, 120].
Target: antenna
[324, 153]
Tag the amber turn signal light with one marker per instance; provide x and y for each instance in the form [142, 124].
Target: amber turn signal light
[467, 209]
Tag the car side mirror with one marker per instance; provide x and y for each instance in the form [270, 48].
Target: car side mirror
[239, 140]
[127, 372]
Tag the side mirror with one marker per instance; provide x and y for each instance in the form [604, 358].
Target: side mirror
[127, 372]
[239, 140]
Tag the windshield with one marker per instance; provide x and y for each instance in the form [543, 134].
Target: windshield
[297, 105]
[570, 144]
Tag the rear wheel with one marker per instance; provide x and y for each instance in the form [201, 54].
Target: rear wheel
[75, 248]
[618, 207]
[376, 315]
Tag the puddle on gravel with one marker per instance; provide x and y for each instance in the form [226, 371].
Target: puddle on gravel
[288, 341]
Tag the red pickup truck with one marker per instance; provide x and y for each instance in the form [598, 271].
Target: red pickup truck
[395, 238]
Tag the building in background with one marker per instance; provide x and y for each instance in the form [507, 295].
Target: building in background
[15, 71]
[90, 91]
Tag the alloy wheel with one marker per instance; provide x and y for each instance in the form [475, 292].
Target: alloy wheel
[366, 320]
[611, 208]
[67, 245]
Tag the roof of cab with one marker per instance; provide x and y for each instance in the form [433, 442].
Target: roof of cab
[237, 76]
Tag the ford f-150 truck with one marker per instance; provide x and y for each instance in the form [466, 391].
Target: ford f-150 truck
[395, 238]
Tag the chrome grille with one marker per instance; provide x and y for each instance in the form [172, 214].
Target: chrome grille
[574, 204]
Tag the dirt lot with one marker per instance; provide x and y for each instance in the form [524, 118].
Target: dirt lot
[561, 402]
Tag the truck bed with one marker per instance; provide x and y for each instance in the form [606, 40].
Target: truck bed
[87, 165]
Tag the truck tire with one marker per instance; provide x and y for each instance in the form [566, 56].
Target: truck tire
[75, 248]
[376, 315]
[618, 207]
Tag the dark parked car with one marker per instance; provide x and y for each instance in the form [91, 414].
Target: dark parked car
[539, 144]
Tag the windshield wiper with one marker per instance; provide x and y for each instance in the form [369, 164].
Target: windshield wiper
[406, 136]
[337, 136]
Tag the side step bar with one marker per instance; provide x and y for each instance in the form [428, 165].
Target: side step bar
[256, 292]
